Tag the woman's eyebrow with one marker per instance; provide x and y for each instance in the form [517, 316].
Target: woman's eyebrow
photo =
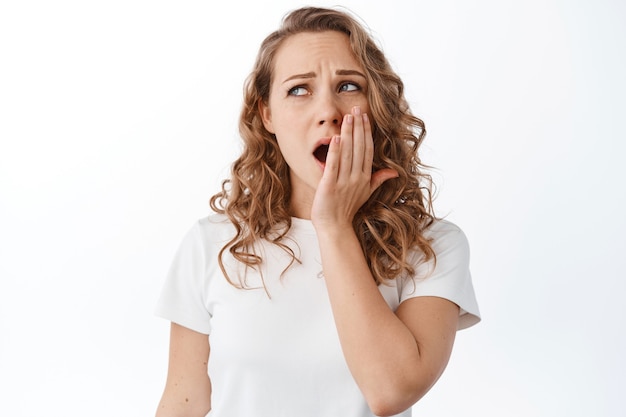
[349, 72]
[313, 75]
[300, 76]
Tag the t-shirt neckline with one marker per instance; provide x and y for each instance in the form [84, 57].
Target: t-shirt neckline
[302, 226]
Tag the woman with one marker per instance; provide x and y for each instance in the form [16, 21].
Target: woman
[323, 285]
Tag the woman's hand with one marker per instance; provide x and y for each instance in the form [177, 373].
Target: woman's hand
[348, 181]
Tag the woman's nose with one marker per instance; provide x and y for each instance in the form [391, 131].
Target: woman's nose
[329, 112]
[333, 120]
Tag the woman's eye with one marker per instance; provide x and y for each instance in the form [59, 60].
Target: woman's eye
[298, 91]
[349, 87]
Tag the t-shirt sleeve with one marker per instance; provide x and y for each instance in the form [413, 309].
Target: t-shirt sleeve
[182, 298]
[449, 277]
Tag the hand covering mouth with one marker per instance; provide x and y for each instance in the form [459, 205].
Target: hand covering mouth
[321, 152]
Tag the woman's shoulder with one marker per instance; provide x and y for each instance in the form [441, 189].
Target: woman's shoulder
[445, 238]
[211, 229]
[213, 221]
[442, 229]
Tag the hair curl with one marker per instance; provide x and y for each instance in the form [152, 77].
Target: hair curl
[256, 198]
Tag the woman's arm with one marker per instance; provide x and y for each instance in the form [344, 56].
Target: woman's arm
[188, 388]
[394, 357]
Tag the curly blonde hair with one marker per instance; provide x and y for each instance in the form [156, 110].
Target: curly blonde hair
[256, 198]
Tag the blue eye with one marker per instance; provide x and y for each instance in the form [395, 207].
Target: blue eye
[298, 91]
[349, 87]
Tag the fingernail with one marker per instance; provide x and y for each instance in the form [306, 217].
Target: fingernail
[357, 110]
[365, 118]
[349, 119]
[336, 138]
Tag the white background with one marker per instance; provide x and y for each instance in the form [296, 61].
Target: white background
[118, 120]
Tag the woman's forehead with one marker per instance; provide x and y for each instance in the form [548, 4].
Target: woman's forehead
[304, 52]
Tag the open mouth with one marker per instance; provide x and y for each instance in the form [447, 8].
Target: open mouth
[321, 152]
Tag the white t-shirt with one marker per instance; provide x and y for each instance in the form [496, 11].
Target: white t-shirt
[279, 355]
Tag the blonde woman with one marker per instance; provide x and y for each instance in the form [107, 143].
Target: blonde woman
[323, 285]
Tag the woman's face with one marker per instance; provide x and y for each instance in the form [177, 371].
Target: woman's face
[316, 81]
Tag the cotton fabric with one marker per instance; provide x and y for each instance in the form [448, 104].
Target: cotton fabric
[275, 351]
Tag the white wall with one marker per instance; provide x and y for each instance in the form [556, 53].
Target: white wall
[118, 121]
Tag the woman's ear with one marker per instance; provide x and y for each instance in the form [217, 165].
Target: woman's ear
[266, 116]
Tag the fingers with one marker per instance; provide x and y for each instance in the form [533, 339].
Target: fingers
[347, 180]
[359, 141]
[380, 176]
[356, 144]
[333, 156]
[368, 157]
[351, 155]
[347, 146]
[363, 152]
